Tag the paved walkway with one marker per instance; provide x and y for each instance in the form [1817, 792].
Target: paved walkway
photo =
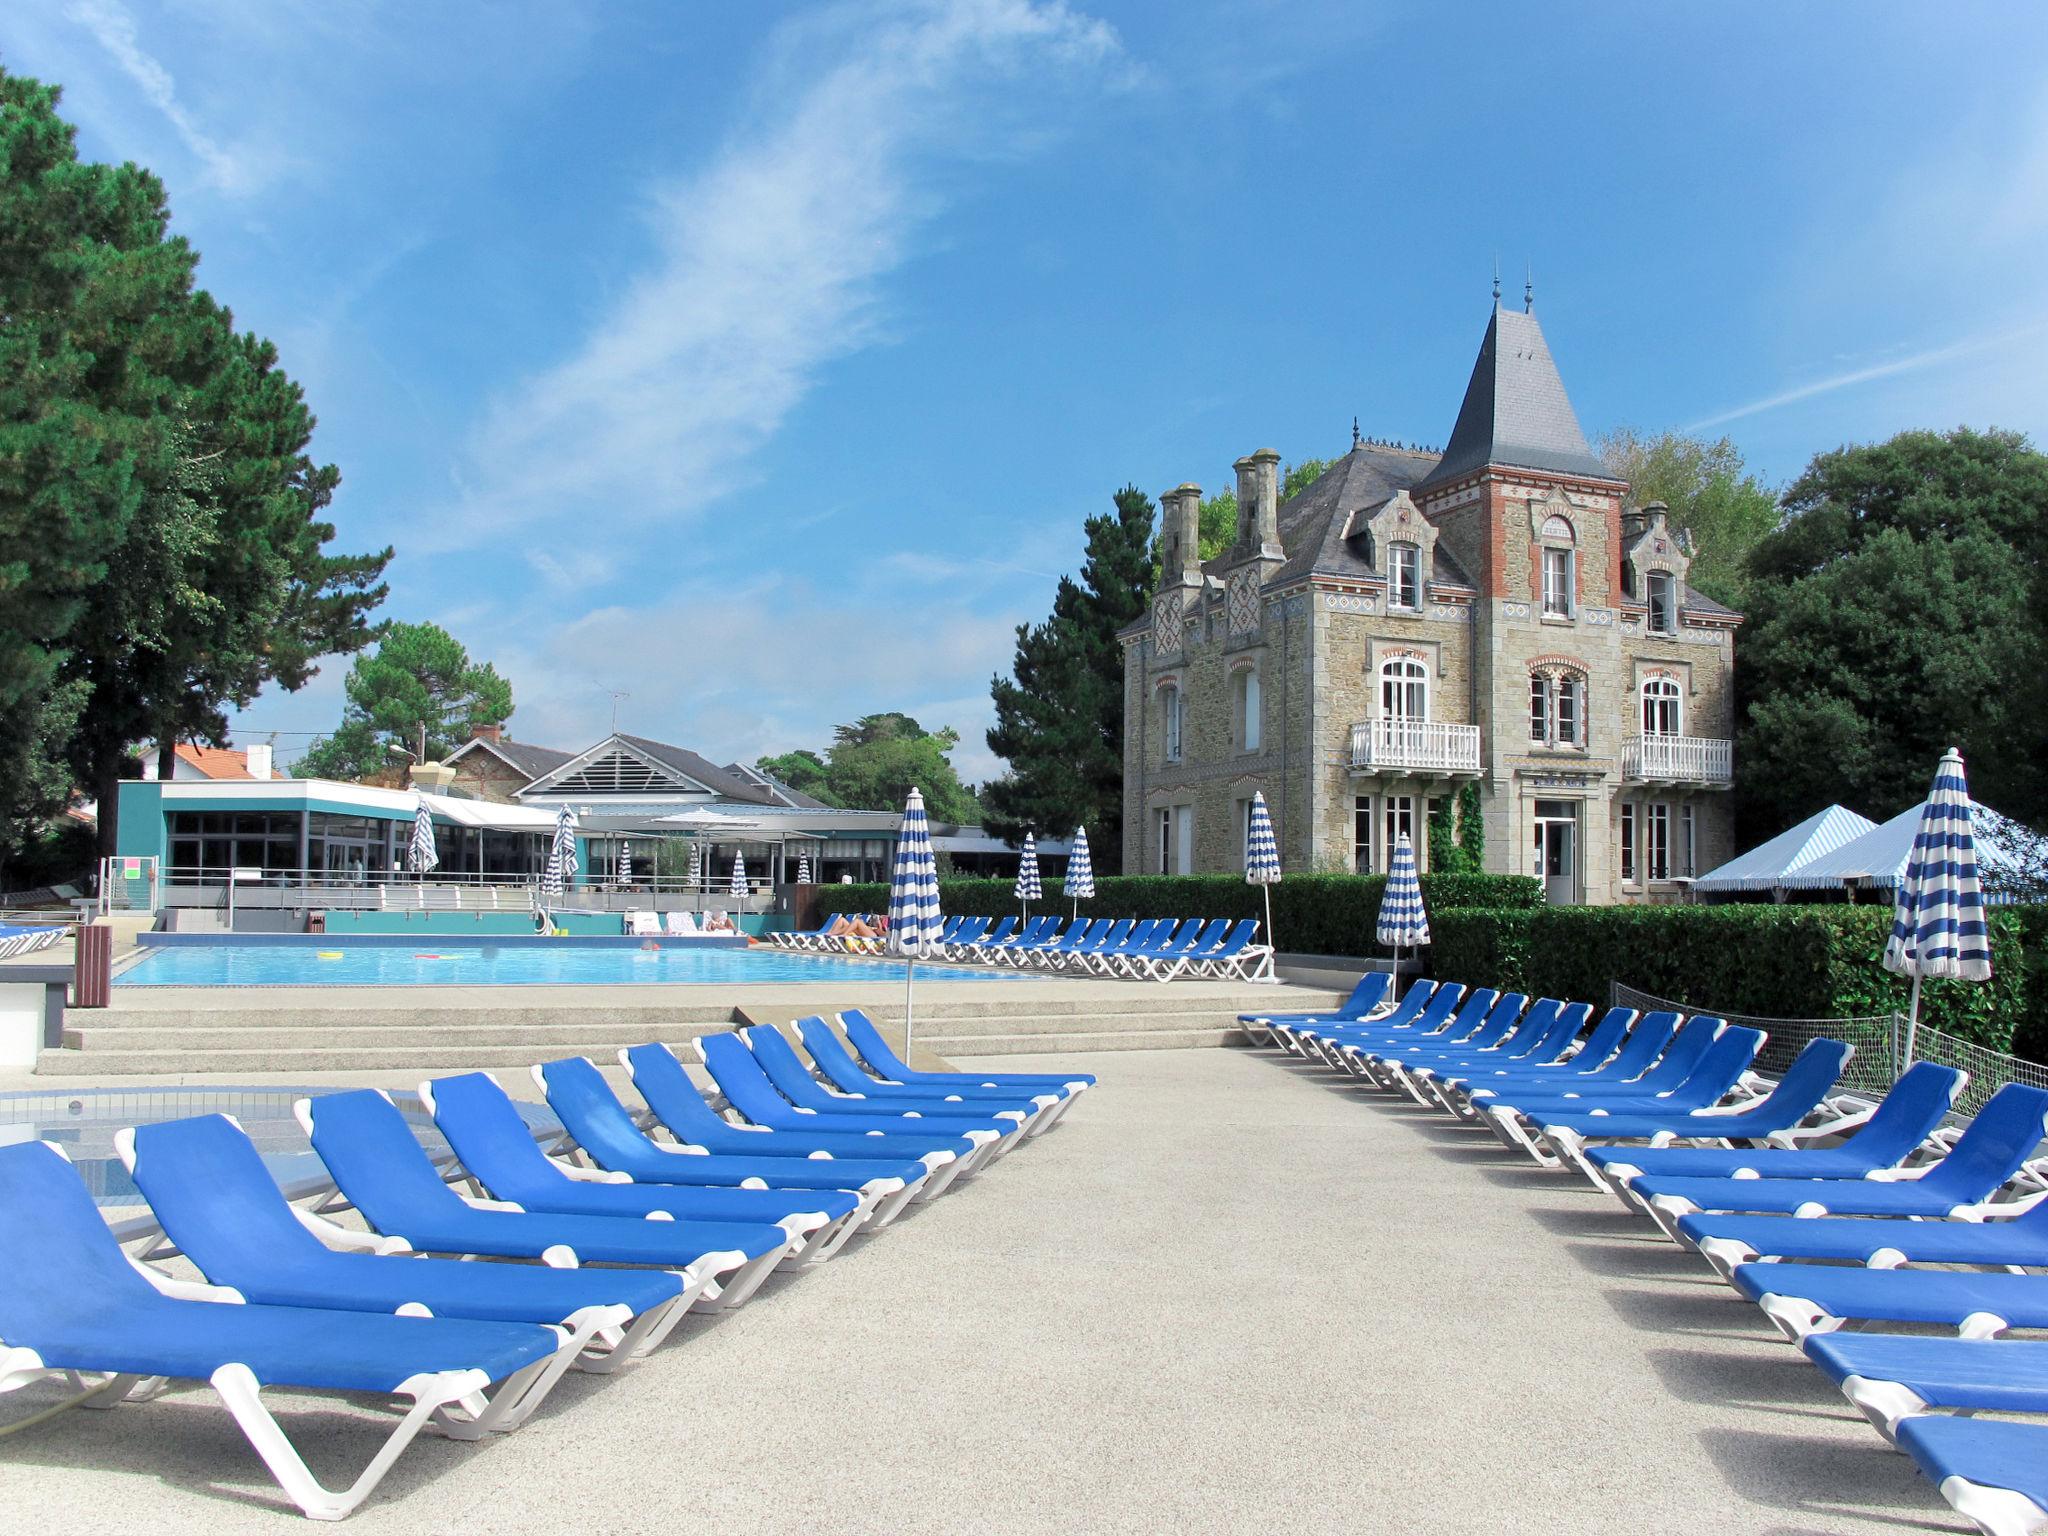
[1224, 1297]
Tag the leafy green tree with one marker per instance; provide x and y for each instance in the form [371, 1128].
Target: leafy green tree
[158, 542]
[1898, 611]
[875, 762]
[1060, 715]
[1711, 494]
[803, 771]
[417, 675]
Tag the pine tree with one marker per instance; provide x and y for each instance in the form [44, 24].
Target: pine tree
[1060, 716]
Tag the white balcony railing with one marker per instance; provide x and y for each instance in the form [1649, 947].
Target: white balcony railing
[1677, 760]
[1429, 746]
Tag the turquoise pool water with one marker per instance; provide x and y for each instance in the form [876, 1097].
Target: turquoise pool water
[530, 963]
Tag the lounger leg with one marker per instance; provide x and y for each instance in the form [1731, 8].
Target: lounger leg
[240, 1391]
[1796, 1317]
[642, 1337]
[1724, 1253]
[1994, 1511]
[892, 1203]
[723, 1296]
[1884, 1403]
[941, 1178]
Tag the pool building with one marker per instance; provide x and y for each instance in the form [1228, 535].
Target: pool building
[659, 828]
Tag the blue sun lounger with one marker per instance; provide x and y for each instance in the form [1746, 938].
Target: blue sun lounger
[217, 1202]
[676, 1102]
[749, 1089]
[1106, 938]
[498, 1151]
[1542, 1037]
[970, 944]
[1992, 1472]
[1889, 1376]
[1993, 1146]
[1367, 997]
[1890, 1133]
[1513, 1113]
[385, 1175]
[1383, 1058]
[884, 1063]
[605, 1132]
[1646, 1044]
[1561, 1059]
[1447, 1015]
[1798, 1095]
[794, 1082]
[1402, 1013]
[838, 1068]
[72, 1303]
[1820, 1298]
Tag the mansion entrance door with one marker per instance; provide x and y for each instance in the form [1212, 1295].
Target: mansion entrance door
[1557, 850]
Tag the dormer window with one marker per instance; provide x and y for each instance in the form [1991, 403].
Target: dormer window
[1663, 603]
[1404, 576]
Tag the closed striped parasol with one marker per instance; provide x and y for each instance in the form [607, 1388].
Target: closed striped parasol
[1080, 882]
[803, 870]
[561, 865]
[1261, 855]
[1938, 926]
[914, 918]
[739, 874]
[1029, 889]
[625, 862]
[1403, 923]
[421, 854]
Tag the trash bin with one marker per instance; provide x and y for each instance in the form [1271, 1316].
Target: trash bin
[93, 964]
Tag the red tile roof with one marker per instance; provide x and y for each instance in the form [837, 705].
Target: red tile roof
[216, 762]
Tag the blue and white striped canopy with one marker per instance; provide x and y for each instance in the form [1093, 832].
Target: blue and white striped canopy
[914, 886]
[1261, 853]
[1028, 886]
[1080, 868]
[561, 863]
[739, 873]
[1938, 926]
[420, 853]
[625, 862]
[803, 870]
[1403, 923]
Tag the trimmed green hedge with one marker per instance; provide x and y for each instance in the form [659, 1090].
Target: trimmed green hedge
[1780, 962]
[2030, 1038]
[1313, 914]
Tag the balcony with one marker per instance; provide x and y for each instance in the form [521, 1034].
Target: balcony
[1677, 760]
[1396, 744]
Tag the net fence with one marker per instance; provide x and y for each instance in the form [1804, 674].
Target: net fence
[1880, 1042]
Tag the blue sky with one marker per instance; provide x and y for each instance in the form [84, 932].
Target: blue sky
[761, 361]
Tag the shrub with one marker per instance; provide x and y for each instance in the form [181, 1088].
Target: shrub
[1313, 914]
[1777, 962]
[2030, 1037]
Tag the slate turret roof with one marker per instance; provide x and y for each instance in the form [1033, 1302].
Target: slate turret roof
[1516, 412]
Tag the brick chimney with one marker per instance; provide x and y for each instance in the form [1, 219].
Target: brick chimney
[1181, 524]
[491, 733]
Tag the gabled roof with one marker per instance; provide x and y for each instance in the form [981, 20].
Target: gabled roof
[1515, 411]
[779, 792]
[623, 765]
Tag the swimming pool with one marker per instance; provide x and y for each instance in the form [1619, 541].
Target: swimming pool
[432, 962]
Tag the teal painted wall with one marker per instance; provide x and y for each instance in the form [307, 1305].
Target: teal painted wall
[142, 833]
[454, 924]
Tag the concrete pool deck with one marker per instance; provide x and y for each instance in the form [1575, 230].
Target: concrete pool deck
[1223, 1296]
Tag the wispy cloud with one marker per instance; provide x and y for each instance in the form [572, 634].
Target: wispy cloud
[1848, 379]
[113, 28]
[769, 259]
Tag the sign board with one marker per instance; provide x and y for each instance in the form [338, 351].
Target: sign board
[245, 876]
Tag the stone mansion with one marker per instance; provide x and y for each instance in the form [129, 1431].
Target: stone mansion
[1502, 614]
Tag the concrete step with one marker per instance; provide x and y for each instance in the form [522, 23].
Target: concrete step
[315, 1020]
[430, 1060]
[960, 1047]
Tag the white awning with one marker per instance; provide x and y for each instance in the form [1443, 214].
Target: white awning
[489, 814]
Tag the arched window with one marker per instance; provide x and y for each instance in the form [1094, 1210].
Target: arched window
[1169, 717]
[1404, 689]
[1557, 709]
[1663, 711]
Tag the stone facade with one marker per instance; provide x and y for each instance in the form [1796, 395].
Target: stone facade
[1499, 615]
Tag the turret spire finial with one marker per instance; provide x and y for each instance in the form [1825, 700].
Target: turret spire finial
[1496, 277]
[1355, 438]
[1529, 289]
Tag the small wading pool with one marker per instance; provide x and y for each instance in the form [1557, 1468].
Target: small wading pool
[83, 1120]
[430, 961]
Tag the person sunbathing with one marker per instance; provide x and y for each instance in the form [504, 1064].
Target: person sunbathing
[717, 922]
[850, 928]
